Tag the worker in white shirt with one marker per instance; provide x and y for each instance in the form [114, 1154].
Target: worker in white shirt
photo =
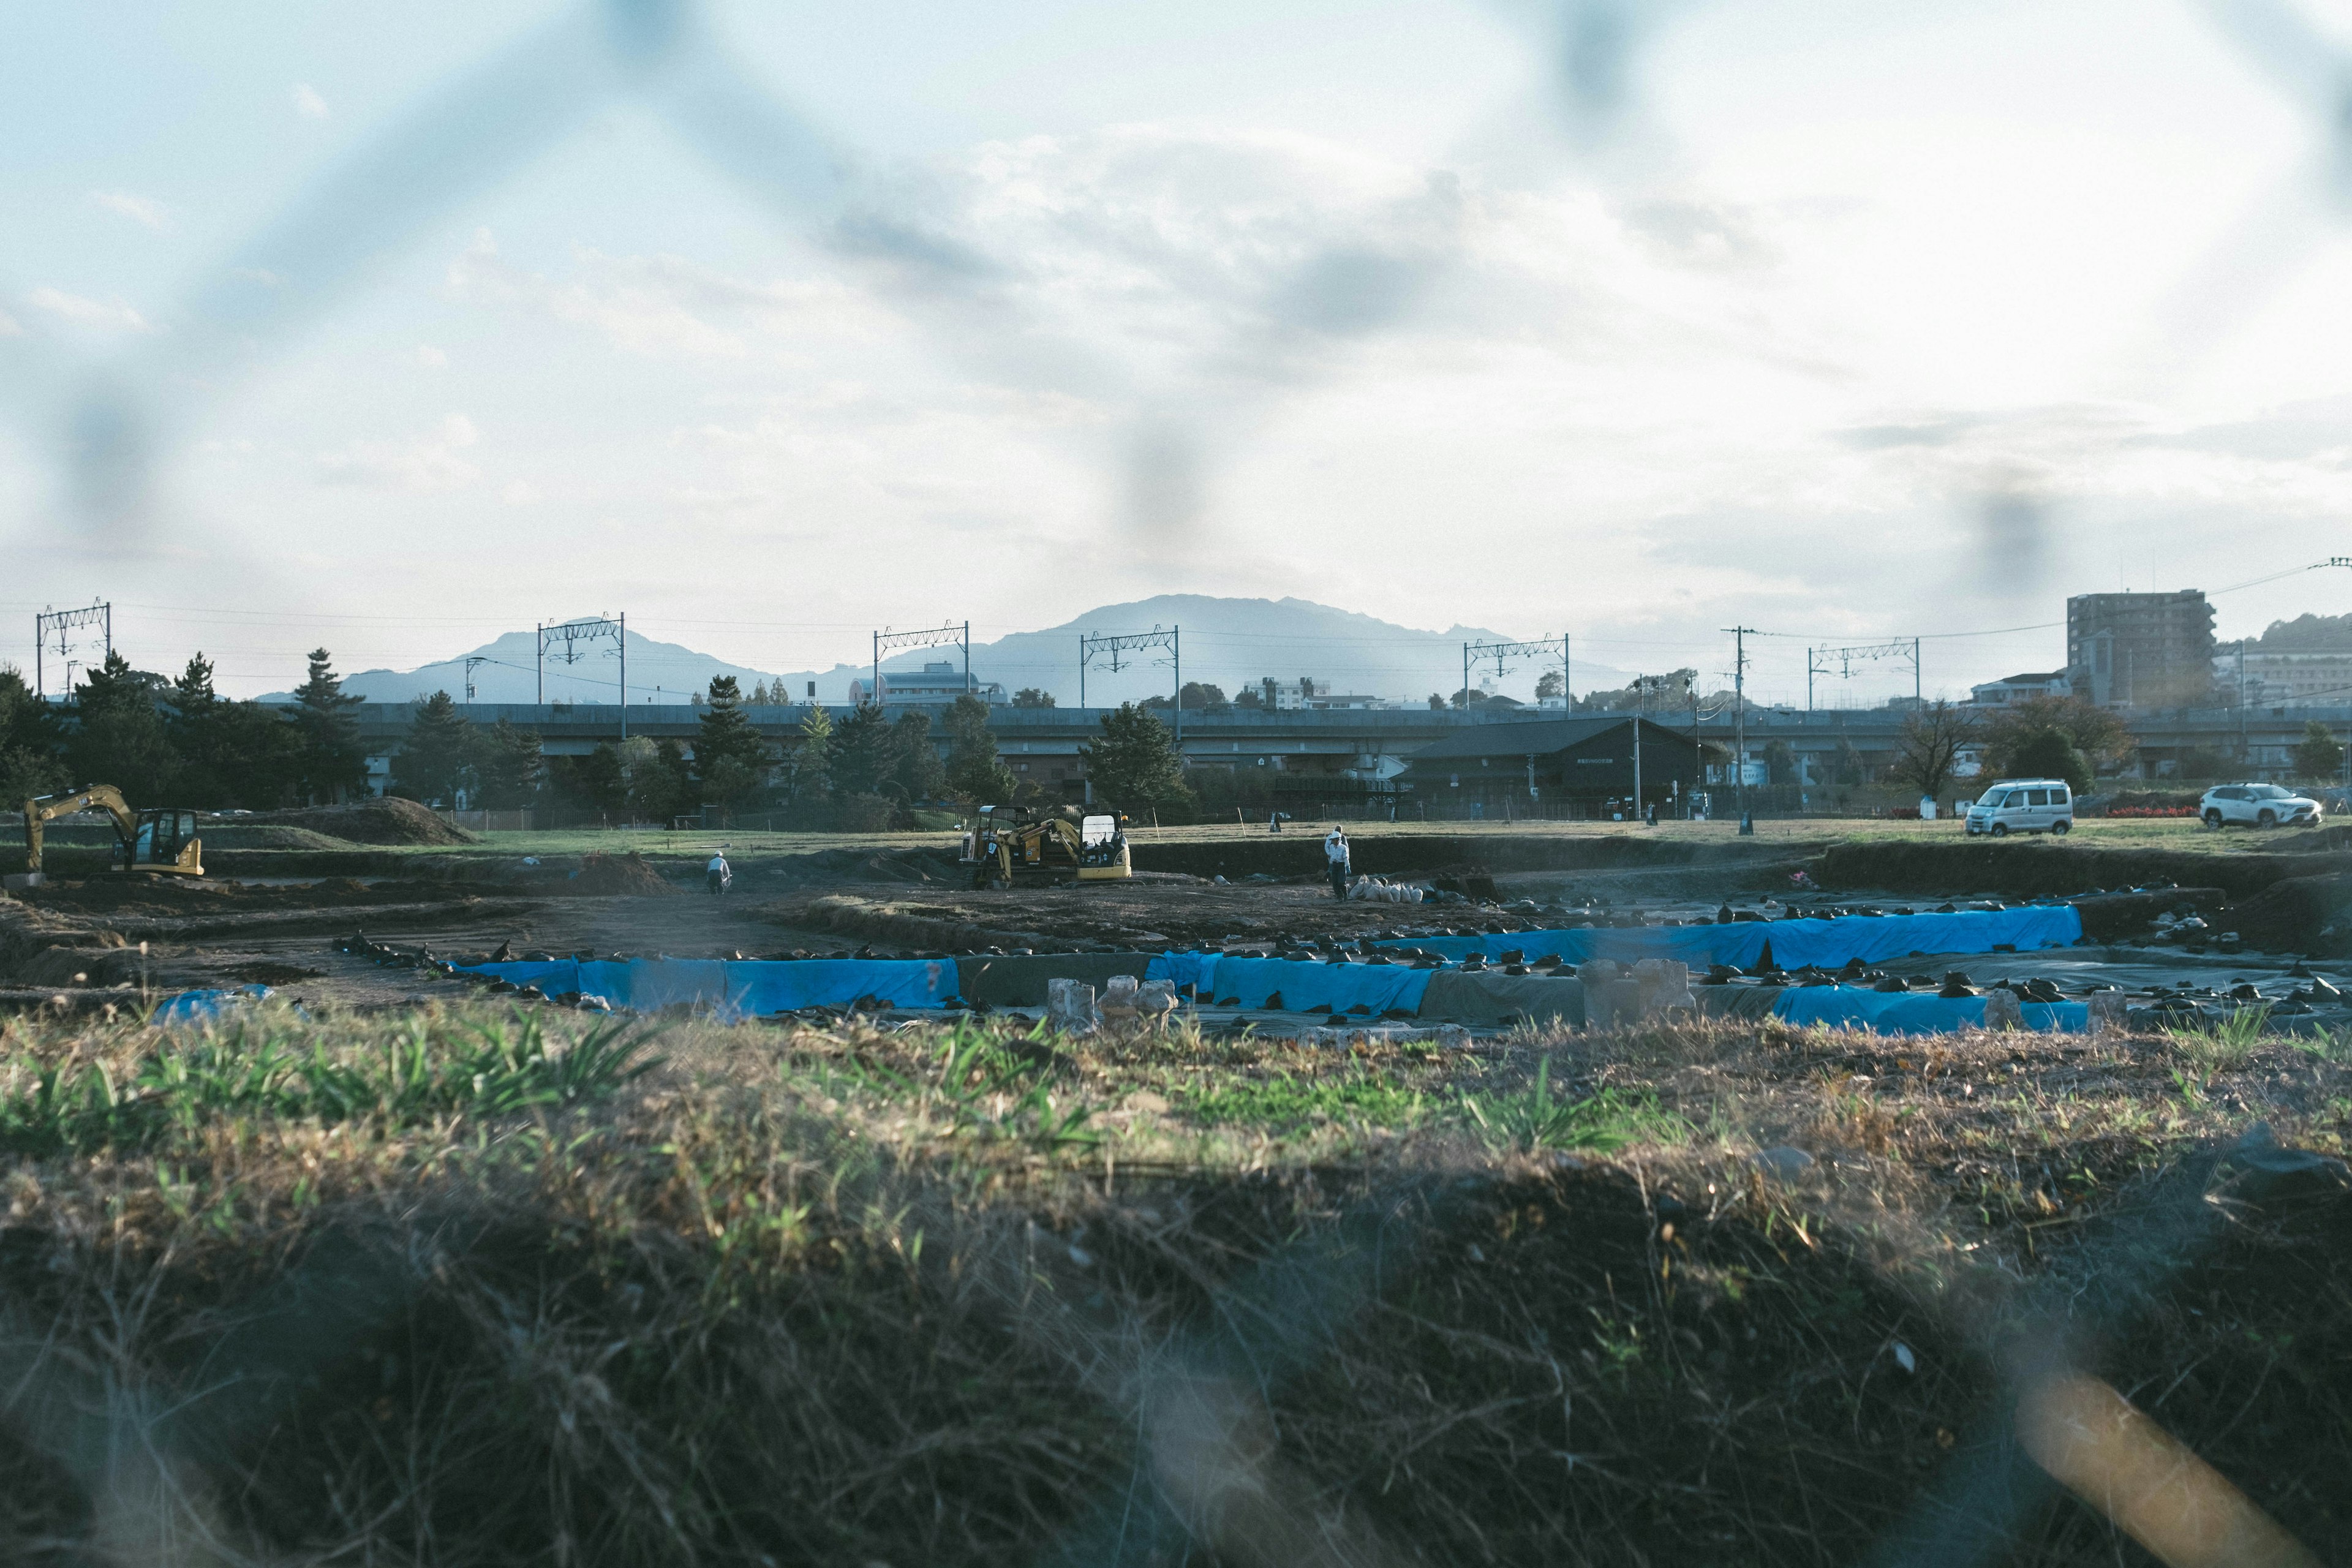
[719, 873]
[1335, 853]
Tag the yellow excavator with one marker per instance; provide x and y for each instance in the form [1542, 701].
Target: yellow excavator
[162, 840]
[1011, 843]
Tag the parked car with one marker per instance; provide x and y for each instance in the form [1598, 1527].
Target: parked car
[2022, 805]
[2262, 805]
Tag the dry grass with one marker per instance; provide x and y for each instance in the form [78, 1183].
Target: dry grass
[965, 1295]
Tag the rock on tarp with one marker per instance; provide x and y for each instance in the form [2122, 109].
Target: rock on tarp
[1018, 980]
[749, 987]
[1917, 1013]
[1303, 984]
[1828, 943]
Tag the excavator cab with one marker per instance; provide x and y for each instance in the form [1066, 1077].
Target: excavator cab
[160, 841]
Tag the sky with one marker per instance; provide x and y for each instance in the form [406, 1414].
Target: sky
[394, 329]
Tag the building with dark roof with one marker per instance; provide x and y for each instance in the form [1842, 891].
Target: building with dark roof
[1556, 761]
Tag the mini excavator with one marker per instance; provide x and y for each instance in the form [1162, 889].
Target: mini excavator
[162, 840]
[1009, 845]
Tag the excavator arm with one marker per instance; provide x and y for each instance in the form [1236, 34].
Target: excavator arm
[42, 809]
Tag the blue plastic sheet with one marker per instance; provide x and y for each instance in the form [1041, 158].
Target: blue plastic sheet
[1193, 969]
[1828, 943]
[204, 1006]
[1304, 984]
[751, 987]
[1898, 1013]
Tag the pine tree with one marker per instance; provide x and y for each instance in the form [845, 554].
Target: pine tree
[119, 737]
[920, 774]
[973, 770]
[510, 765]
[812, 756]
[436, 756]
[32, 751]
[730, 760]
[863, 755]
[1134, 766]
[2320, 755]
[333, 761]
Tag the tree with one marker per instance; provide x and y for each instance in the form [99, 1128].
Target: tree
[510, 765]
[655, 782]
[1436, 702]
[2050, 754]
[1929, 746]
[2320, 756]
[1780, 762]
[973, 770]
[2097, 732]
[31, 757]
[436, 755]
[864, 757]
[333, 761]
[593, 782]
[1551, 683]
[257, 755]
[809, 764]
[1248, 700]
[1199, 696]
[1134, 765]
[2205, 762]
[1030, 697]
[119, 737]
[919, 774]
[730, 760]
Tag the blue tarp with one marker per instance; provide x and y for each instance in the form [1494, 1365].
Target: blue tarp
[1193, 969]
[204, 1006]
[1304, 984]
[751, 987]
[1897, 1012]
[1829, 944]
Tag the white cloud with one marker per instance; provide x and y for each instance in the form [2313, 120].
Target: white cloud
[307, 101]
[84, 311]
[143, 210]
[428, 356]
[425, 464]
[9, 326]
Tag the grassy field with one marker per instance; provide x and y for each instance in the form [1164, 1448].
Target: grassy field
[472, 1286]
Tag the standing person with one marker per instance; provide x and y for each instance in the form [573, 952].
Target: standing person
[1335, 853]
[719, 873]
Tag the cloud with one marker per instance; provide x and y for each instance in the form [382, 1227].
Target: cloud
[143, 210]
[426, 464]
[664, 307]
[428, 356]
[520, 494]
[84, 311]
[10, 327]
[307, 101]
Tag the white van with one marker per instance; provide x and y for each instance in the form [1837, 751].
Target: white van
[2022, 805]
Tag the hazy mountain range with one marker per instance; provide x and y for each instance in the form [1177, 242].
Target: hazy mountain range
[1229, 643]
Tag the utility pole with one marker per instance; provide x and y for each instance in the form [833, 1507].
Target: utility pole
[473, 662]
[1739, 719]
[59, 624]
[1918, 690]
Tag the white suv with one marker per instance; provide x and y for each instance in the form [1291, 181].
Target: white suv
[2263, 805]
[2024, 805]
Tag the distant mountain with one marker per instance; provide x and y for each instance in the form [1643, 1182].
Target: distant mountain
[1228, 643]
[658, 671]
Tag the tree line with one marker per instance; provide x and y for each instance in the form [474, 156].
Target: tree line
[178, 741]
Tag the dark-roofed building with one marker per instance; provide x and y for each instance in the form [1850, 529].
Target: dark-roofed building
[1556, 761]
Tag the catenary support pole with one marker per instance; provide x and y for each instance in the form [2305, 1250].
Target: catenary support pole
[625, 675]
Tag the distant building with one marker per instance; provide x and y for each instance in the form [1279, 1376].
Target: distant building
[2286, 678]
[2141, 650]
[938, 681]
[2011, 689]
[1305, 695]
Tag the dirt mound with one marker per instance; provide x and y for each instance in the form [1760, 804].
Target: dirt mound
[385, 820]
[619, 875]
[2036, 866]
[875, 866]
[2302, 914]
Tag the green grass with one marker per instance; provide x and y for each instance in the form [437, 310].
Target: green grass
[1285, 1103]
[278, 1068]
[1535, 1119]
